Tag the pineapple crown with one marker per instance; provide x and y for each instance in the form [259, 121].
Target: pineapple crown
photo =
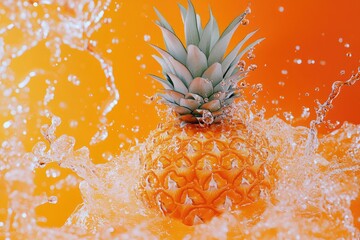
[199, 81]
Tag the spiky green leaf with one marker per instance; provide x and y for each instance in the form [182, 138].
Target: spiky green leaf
[214, 73]
[164, 83]
[196, 61]
[232, 55]
[212, 106]
[215, 33]
[162, 21]
[218, 51]
[191, 31]
[202, 87]
[199, 25]
[189, 103]
[174, 45]
[233, 65]
[179, 86]
[205, 40]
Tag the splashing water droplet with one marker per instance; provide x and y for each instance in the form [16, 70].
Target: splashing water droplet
[53, 200]
[147, 37]
[245, 22]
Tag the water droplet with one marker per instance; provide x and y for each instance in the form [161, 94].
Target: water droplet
[252, 67]
[7, 124]
[284, 72]
[74, 79]
[305, 113]
[52, 173]
[311, 61]
[147, 37]
[115, 41]
[241, 65]
[73, 124]
[52, 200]
[245, 22]
[135, 129]
[288, 116]
[297, 61]
[139, 57]
[275, 102]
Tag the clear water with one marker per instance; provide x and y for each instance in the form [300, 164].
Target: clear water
[318, 178]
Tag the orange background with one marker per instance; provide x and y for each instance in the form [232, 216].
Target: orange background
[315, 26]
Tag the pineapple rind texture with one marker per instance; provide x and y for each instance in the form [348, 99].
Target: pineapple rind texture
[199, 80]
[195, 173]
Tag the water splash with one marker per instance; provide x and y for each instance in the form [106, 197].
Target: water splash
[58, 23]
[323, 109]
[313, 195]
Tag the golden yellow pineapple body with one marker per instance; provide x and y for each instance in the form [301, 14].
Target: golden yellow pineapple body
[193, 173]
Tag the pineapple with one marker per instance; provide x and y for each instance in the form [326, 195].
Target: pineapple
[203, 162]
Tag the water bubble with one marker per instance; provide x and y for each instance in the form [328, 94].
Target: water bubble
[207, 118]
[251, 55]
[147, 37]
[340, 40]
[306, 112]
[297, 61]
[107, 156]
[139, 57]
[281, 9]
[135, 129]
[245, 22]
[52, 200]
[52, 173]
[73, 123]
[288, 116]
[346, 45]
[297, 47]
[322, 62]
[252, 67]
[342, 72]
[7, 124]
[281, 83]
[284, 72]
[311, 61]
[241, 65]
[115, 41]
[74, 79]
[348, 54]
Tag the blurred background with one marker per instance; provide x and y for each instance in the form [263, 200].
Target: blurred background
[309, 45]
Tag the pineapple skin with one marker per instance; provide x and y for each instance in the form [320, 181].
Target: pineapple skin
[194, 173]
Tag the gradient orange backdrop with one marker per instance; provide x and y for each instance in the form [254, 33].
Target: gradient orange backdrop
[299, 29]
